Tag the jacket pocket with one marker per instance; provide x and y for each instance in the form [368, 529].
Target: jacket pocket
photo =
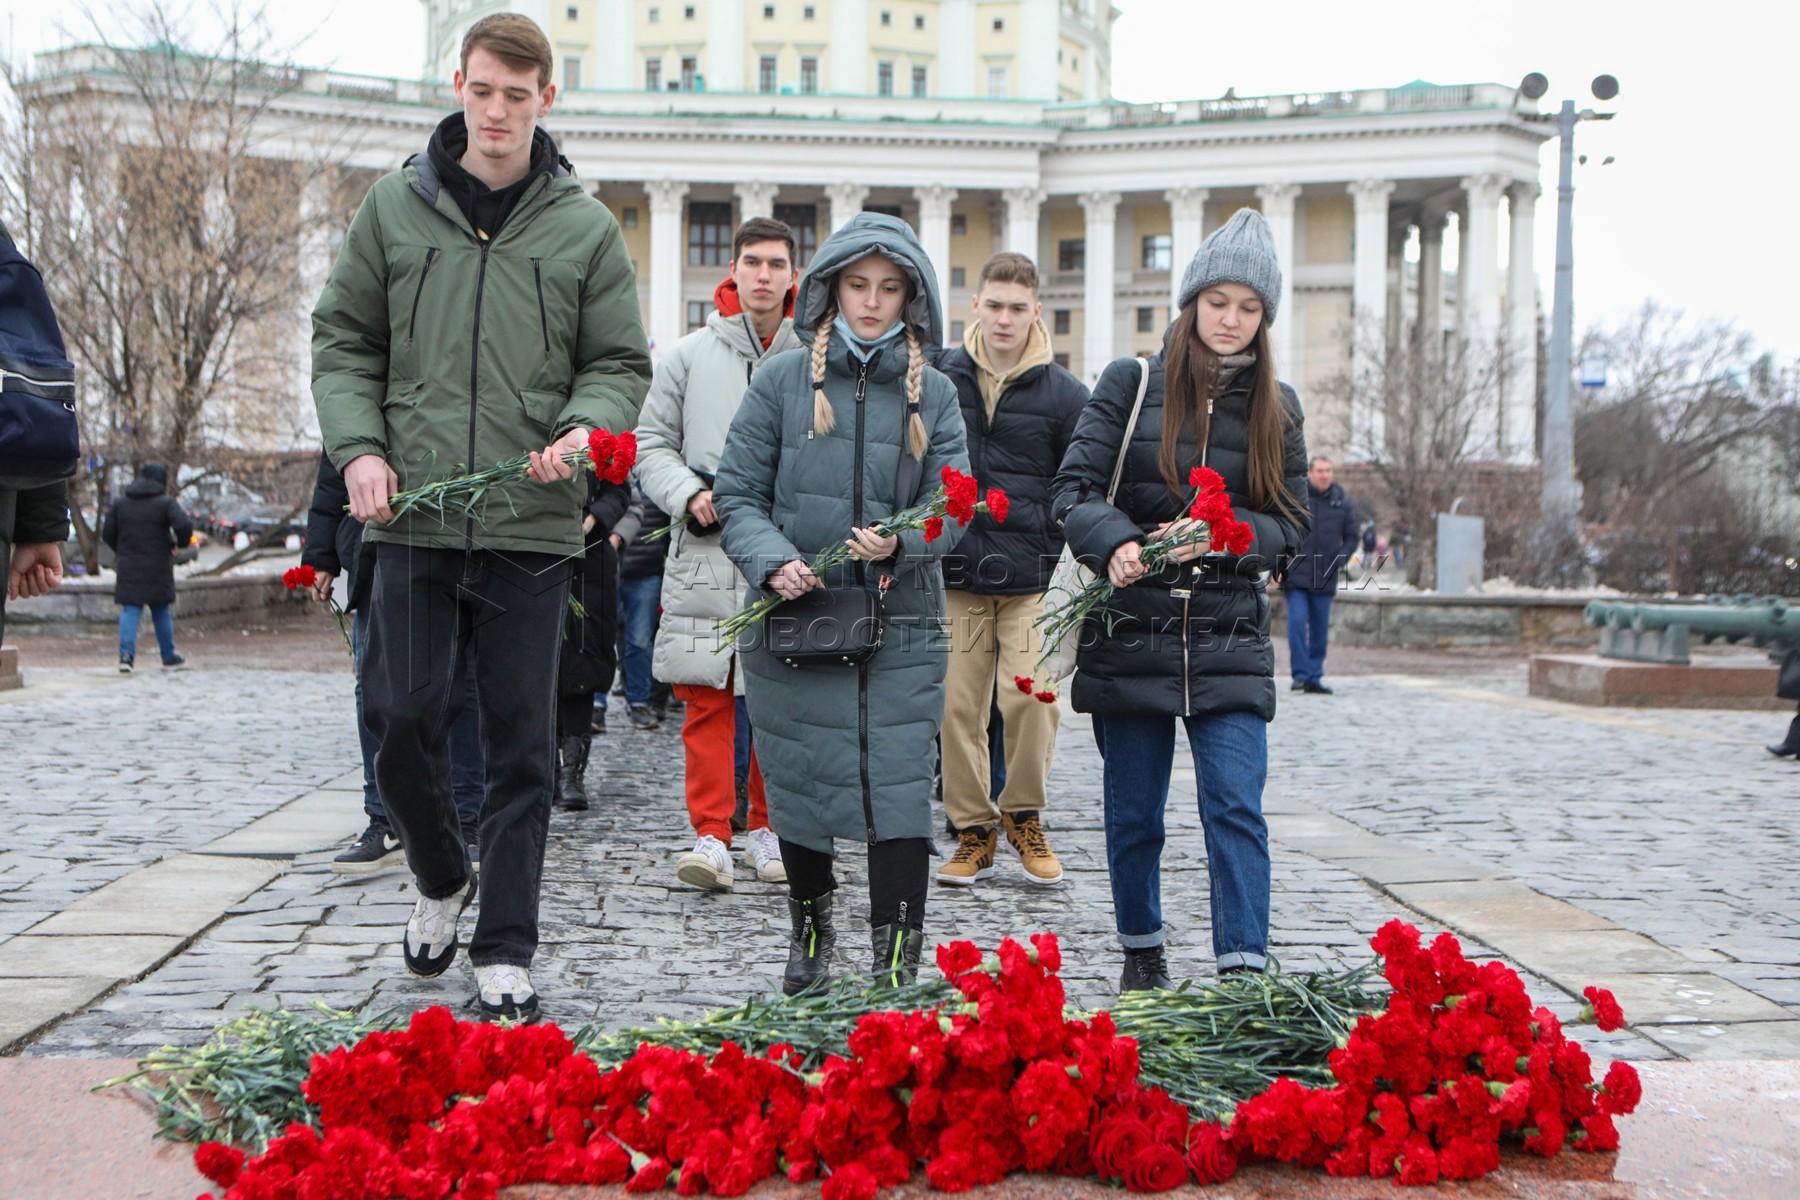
[407, 425]
[543, 407]
[412, 321]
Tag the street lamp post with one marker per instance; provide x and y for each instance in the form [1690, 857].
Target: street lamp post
[1561, 488]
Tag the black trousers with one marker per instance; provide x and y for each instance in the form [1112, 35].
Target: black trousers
[504, 611]
[899, 876]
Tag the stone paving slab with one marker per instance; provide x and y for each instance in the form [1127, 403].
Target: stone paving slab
[32, 1004]
[180, 896]
[117, 955]
[322, 818]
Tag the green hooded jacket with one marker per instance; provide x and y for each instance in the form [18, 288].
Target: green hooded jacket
[444, 353]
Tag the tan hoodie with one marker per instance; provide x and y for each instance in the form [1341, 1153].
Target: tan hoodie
[994, 383]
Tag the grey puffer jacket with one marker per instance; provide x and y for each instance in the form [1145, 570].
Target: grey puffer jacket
[681, 434]
[846, 752]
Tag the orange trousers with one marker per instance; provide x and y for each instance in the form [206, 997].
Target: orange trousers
[709, 734]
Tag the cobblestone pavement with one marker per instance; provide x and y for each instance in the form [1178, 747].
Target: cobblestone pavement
[1616, 813]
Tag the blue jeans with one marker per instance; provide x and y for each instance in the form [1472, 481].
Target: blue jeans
[1308, 622]
[468, 771]
[160, 620]
[640, 606]
[1231, 759]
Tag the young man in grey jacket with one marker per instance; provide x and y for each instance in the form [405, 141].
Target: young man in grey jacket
[681, 434]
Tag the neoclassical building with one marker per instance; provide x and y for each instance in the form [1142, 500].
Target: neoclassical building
[1111, 199]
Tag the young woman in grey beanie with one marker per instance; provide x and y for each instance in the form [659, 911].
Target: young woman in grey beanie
[1188, 643]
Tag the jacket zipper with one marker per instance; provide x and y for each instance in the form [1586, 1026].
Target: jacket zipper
[862, 669]
[475, 383]
[43, 383]
[537, 275]
[1187, 599]
[412, 325]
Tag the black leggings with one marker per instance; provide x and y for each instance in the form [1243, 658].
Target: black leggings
[899, 876]
[574, 715]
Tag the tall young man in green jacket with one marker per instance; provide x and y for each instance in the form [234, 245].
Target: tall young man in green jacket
[482, 304]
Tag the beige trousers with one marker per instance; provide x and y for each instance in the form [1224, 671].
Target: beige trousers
[992, 639]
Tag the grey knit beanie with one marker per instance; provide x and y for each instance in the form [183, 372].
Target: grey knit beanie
[1240, 251]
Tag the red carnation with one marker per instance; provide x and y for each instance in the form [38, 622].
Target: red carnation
[1046, 697]
[1155, 1168]
[1623, 1089]
[219, 1162]
[852, 1181]
[1210, 1155]
[1023, 683]
[613, 455]
[1116, 1142]
[650, 1177]
[1604, 1009]
[997, 504]
[299, 577]
[934, 528]
[1206, 479]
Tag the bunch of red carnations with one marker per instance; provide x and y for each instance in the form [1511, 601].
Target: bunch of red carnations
[1428, 1089]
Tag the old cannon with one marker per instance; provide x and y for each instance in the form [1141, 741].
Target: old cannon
[1659, 633]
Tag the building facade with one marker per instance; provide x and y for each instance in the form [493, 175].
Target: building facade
[1365, 190]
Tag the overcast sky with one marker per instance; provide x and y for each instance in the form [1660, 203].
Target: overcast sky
[1696, 212]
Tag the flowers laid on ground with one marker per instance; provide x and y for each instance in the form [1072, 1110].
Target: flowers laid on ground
[1210, 518]
[994, 1078]
[956, 499]
[609, 455]
[297, 578]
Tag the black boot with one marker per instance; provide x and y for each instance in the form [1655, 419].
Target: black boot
[740, 815]
[1145, 970]
[810, 946]
[1790, 745]
[897, 951]
[570, 779]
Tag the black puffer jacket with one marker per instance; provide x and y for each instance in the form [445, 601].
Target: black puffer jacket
[334, 538]
[1019, 453]
[145, 527]
[1328, 545]
[641, 556]
[1193, 639]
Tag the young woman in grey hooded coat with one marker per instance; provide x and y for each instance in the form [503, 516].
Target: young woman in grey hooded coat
[829, 441]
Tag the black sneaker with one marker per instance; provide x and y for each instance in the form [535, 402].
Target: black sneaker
[1299, 685]
[174, 660]
[642, 716]
[1146, 970]
[126, 662]
[1315, 688]
[376, 850]
[598, 724]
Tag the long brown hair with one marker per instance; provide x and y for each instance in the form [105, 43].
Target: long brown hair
[1191, 372]
[825, 419]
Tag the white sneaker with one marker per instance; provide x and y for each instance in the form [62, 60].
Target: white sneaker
[707, 865]
[430, 943]
[762, 851]
[506, 992]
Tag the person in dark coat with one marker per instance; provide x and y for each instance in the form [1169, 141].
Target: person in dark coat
[146, 530]
[826, 444]
[641, 560]
[1188, 643]
[589, 648]
[335, 546]
[1310, 580]
[1019, 409]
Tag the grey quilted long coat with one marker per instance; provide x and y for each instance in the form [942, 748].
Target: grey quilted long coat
[846, 751]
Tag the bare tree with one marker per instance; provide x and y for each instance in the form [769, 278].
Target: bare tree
[1419, 412]
[167, 204]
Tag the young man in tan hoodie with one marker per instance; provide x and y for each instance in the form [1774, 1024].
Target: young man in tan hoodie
[1020, 410]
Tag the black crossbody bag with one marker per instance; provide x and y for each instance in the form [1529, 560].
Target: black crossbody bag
[834, 627]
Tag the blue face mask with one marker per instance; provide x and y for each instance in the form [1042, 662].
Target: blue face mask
[861, 347]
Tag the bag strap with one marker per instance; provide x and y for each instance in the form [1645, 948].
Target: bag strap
[1130, 428]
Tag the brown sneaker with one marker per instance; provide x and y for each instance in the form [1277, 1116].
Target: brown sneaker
[1025, 834]
[973, 860]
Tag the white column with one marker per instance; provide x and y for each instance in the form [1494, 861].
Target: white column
[755, 199]
[665, 261]
[934, 232]
[615, 59]
[314, 266]
[1102, 219]
[850, 49]
[1187, 216]
[724, 61]
[1479, 268]
[1040, 24]
[846, 201]
[1518, 413]
[1431, 276]
[1278, 200]
[1022, 207]
[1368, 298]
[956, 48]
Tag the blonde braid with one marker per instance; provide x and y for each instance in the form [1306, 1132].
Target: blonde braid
[824, 419]
[915, 379]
